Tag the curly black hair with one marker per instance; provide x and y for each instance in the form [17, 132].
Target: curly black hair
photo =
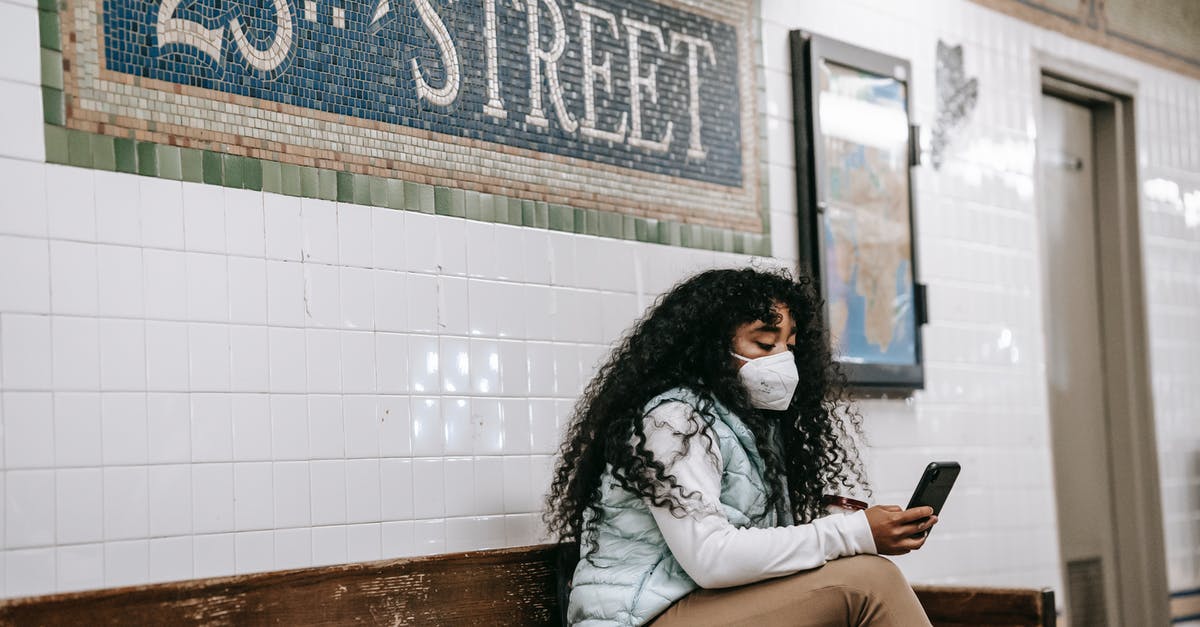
[685, 340]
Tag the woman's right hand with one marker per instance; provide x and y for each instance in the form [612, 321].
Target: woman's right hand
[894, 528]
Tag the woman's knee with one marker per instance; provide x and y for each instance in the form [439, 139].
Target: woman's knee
[872, 572]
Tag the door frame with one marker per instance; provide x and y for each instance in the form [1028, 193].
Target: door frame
[1137, 516]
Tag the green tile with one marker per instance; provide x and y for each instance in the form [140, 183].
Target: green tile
[612, 224]
[442, 201]
[48, 27]
[668, 233]
[233, 171]
[213, 168]
[310, 182]
[327, 184]
[541, 214]
[448, 202]
[725, 241]
[426, 194]
[191, 164]
[169, 162]
[147, 159]
[54, 110]
[395, 194]
[527, 217]
[291, 179]
[516, 211]
[629, 231]
[79, 148]
[272, 176]
[56, 143]
[48, 5]
[125, 151]
[52, 69]
[642, 230]
[486, 207]
[104, 153]
[739, 243]
[471, 204]
[587, 221]
[362, 189]
[252, 173]
[561, 218]
[345, 187]
[412, 196]
[379, 194]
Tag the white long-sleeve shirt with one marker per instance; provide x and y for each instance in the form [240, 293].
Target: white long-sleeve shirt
[713, 552]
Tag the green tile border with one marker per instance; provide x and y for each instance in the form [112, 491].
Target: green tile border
[122, 154]
[126, 154]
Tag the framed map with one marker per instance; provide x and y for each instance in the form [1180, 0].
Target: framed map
[854, 152]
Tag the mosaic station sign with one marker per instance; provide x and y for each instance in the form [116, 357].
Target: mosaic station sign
[589, 104]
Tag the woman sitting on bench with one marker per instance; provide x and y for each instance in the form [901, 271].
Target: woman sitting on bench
[693, 471]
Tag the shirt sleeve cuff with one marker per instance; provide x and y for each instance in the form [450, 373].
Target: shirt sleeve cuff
[859, 528]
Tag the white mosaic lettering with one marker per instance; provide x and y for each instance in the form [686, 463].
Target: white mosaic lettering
[639, 82]
[695, 148]
[592, 71]
[381, 10]
[281, 44]
[310, 10]
[538, 56]
[173, 30]
[495, 104]
[448, 92]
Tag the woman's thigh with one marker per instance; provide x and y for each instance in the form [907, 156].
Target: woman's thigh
[860, 590]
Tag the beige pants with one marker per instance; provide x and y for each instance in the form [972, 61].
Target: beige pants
[859, 590]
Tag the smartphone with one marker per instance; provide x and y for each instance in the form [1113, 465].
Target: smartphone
[934, 487]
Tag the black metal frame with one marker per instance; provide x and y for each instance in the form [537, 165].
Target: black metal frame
[807, 52]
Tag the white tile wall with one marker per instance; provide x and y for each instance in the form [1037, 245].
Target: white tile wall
[197, 381]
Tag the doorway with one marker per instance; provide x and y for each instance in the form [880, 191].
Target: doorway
[1097, 375]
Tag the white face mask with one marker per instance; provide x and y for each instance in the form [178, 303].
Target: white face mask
[770, 380]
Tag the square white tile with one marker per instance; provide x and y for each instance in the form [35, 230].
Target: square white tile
[212, 498]
[254, 551]
[362, 490]
[328, 479]
[79, 507]
[253, 484]
[358, 362]
[326, 429]
[119, 279]
[24, 274]
[204, 217]
[126, 503]
[171, 500]
[171, 559]
[26, 347]
[354, 234]
[213, 555]
[28, 430]
[291, 491]
[76, 353]
[77, 433]
[392, 375]
[395, 427]
[73, 280]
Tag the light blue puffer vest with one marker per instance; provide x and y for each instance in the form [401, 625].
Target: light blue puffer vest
[635, 577]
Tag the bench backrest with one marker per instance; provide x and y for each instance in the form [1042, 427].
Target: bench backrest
[514, 586]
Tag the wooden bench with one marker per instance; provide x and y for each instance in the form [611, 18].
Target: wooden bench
[514, 586]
